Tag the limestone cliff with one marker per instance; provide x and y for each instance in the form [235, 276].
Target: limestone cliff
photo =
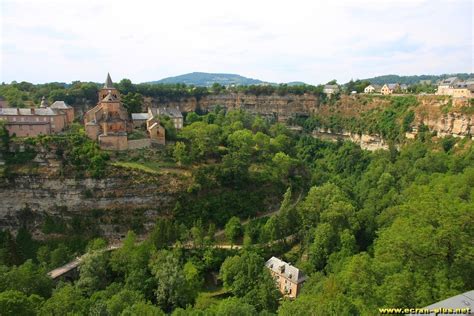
[119, 197]
[281, 107]
[442, 115]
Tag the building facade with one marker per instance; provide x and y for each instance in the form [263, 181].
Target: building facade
[389, 88]
[31, 122]
[288, 278]
[372, 88]
[108, 121]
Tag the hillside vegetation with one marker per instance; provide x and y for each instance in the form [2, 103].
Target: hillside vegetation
[370, 229]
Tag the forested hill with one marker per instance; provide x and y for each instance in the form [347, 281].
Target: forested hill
[208, 79]
[415, 79]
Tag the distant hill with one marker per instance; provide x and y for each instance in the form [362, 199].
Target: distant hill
[207, 79]
[415, 79]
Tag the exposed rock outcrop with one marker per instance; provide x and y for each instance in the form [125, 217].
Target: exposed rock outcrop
[367, 142]
[38, 195]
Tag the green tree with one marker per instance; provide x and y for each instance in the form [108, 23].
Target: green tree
[132, 102]
[93, 272]
[65, 300]
[180, 153]
[174, 287]
[233, 229]
[142, 308]
[246, 277]
[17, 303]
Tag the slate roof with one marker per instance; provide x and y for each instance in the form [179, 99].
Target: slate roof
[108, 82]
[449, 80]
[26, 111]
[139, 116]
[464, 300]
[60, 105]
[285, 270]
[168, 111]
[392, 86]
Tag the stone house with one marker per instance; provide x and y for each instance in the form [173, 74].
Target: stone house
[330, 89]
[139, 119]
[389, 88]
[372, 88]
[288, 278]
[456, 88]
[445, 86]
[31, 122]
[173, 113]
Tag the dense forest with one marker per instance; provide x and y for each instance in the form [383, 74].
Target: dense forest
[376, 229]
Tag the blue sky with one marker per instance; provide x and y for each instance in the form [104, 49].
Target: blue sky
[277, 41]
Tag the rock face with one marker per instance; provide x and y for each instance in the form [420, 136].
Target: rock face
[367, 142]
[455, 124]
[281, 107]
[37, 196]
[429, 112]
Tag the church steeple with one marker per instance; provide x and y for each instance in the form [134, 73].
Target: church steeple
[108, 82]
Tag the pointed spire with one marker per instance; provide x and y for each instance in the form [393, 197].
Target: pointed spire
[44, 103]
[108, 82]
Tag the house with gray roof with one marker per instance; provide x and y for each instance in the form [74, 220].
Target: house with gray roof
[172, 112]
[289, 279]
[44, 120]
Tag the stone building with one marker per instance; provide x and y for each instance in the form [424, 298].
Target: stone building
[372, 88]
[172, 112]
[288, 278]
[31, 122]
[108, 121]
[330, 89]
[456, 88]
[389, 88]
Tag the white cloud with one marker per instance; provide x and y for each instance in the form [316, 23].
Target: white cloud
[311, 41]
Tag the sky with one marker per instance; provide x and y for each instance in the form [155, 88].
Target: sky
[277, 41]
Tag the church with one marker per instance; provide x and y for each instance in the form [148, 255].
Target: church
[108, 122]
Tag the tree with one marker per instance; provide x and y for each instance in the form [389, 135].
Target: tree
[27, 278]
[192, 117]
[233, 229]
[233, 307]
[125, 86]
[93, 272]
[175, 288]
[142, 308]
[180, 153]
[123, 300]
[17, 303]
[247, 277]
[132, 102]
[65, 300]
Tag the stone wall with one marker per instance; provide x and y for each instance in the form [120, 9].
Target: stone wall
[139, 143]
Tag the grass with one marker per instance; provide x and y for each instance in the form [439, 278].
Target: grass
[150, 167]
